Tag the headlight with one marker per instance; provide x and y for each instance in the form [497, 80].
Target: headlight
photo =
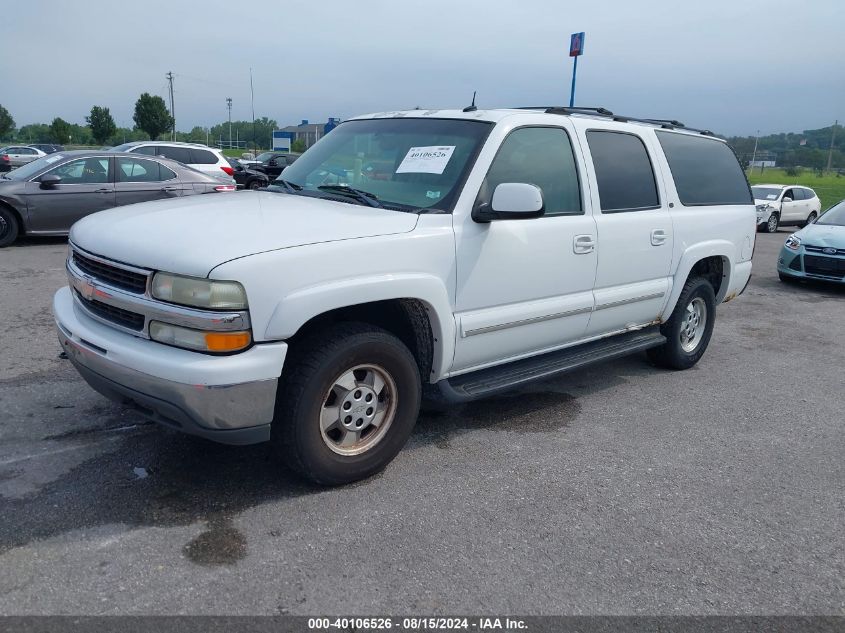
[199, 340]
[792, 242]
[199, 293]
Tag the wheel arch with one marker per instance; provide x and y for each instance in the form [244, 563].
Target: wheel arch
[18, 215]
[713, 260]
[415, 308]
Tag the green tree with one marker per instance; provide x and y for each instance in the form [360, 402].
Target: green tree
[298, 146]
[60, 130]
[151, 115]
[7, 123]
[102, 124]
[34, 133]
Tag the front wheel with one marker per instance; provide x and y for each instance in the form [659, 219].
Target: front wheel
[8, 227]
[347, 402]
[690, 327]
[772, 223]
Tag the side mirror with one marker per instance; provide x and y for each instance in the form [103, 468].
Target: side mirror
[49, 180]
[786, 199]
[512, 201]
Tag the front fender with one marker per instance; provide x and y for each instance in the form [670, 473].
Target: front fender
[297, 308]
[694, 254]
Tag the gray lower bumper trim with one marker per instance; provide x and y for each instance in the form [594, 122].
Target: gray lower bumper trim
[231, 414]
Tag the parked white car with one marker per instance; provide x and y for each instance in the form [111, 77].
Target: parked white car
[785, 205]
[201, 157]
[440, 254]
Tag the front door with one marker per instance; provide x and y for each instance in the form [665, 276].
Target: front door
[525, 286]
[634, 232]
[143, 179]
[86, 187]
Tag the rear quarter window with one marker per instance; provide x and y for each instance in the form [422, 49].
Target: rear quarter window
[705, 171]
[203, 157]
[624, 174]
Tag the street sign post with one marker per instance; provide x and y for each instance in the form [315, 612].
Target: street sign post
[576, 49]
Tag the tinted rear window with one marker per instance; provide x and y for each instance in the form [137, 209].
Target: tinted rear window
[203, 157]
[706, 171]
[623, 171]
[181, 154]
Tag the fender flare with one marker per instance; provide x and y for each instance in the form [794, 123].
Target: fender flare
[694, 254]
[300, 306]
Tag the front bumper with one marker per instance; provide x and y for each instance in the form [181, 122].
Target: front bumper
[228, 399]
[792, 264]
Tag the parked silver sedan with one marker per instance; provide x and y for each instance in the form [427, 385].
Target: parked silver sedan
[13, 156]
[46, 196]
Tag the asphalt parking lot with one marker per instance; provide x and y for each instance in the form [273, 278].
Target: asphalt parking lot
[622, 489]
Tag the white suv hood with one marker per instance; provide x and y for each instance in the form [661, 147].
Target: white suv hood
[194, 234]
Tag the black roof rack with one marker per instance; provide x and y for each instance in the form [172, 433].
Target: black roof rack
[668, 124]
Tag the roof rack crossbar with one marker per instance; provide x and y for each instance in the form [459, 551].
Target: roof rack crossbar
[668, 124]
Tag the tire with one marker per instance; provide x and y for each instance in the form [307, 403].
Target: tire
[255, 184]
[787, 279]
[680, 350]
[772, 224]
[9, 227]
[810, 219]
[308, 431]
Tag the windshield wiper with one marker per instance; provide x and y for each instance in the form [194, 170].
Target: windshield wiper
[363, 196]
[290, 187]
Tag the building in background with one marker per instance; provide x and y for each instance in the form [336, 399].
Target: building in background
[310, 133]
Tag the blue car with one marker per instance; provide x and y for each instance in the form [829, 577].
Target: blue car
[818, 250]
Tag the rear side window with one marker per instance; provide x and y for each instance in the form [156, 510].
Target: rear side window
[203, 157]
[137, 170]
[149, 150]
[705, 171]
[624, 174]
[180, 154]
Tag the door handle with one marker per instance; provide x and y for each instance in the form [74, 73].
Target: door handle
[583, 244]
[103, 190]
[658, 237]
[169, 189]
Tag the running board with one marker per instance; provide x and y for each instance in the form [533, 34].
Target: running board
[485, 382]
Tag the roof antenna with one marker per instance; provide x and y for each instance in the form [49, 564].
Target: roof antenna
[471, 107]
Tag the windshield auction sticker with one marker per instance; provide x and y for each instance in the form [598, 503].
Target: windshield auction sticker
[426, 160]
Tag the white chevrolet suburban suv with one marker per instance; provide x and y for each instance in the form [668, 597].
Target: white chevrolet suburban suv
[408, 255]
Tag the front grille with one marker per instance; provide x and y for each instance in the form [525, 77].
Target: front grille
[119, 316]
[795, 264]
[111, 275]
[820, 249]
[826, 266]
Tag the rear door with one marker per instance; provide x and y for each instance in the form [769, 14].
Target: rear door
[144, 179]
[634, 230]
[86, 187]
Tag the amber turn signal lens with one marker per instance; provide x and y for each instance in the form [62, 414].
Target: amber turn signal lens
[226, 341]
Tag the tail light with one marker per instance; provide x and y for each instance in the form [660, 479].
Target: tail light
[5, 157]
[225, 188]
[229, 170]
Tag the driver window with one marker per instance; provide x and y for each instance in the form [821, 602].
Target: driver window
[788, 194]
[83, 171]
[540, 156]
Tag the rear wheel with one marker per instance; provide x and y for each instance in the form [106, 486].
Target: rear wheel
[810, 219]
[347, 403]
[9, 227]
[255, 184]
[690, 327]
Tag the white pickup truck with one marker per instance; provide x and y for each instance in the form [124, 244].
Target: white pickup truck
[439, 254]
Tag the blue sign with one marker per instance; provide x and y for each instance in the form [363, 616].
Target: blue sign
[576, 44]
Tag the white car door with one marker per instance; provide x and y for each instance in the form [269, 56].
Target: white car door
[525, 286]
[634, 228]
[791, 208]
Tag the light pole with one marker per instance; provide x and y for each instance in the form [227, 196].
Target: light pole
[754, 153]
[229, 105]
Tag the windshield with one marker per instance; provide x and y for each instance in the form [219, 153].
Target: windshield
[406, 163]
[30, 169]
[766, 193]
[835, 215]
[264, 156]
[122, 148]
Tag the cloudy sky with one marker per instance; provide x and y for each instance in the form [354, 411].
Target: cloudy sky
[735, 66]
